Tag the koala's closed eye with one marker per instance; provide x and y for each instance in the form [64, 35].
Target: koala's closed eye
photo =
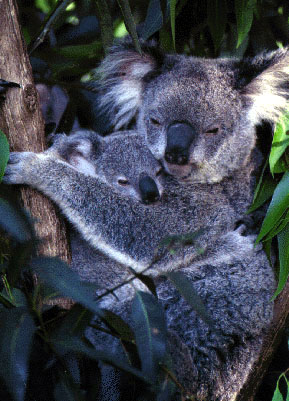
[155, 122]
[123, 181]
[213, 129]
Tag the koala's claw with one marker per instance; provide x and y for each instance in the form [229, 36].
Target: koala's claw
[241, 229]
[15, 157]
[15, 169]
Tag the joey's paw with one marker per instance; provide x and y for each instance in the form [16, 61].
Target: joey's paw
[15, 172]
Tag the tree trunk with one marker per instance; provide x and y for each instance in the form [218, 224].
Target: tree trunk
[22, 122]
[271, 342]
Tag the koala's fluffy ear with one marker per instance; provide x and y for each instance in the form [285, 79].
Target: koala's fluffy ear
[121, 77]
[264, 85]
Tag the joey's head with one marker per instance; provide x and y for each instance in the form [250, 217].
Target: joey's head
[198, 116]
[121, 160]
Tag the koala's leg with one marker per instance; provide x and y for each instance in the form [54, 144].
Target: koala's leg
[237, 297]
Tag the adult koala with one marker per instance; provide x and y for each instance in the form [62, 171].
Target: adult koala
[198, 115]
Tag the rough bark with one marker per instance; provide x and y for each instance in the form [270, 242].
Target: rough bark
[22, 122]
[271, 342]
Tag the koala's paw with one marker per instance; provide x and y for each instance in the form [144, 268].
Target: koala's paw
[242, 246]
[15, 172]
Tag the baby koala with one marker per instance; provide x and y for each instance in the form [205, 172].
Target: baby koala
[104, 185]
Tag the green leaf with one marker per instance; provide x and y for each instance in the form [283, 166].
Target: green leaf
[153, 21]
[279, 226]
[277, 207]
[74, 323]
[13, 221]
[267, 246]
[129, 22]
[150, 332]
[105, 22]
[217, 20]
[167, 390]
[186, 289]
[4, 153]
[66, 390]
[117, 324]
[146, 280]
[72, 344]
[59, 276]
[283, 247]
[280, 141]
[173, 20]
[264, 192]
[79, 52]
[17, 331]
[277, 396]
[244, 10]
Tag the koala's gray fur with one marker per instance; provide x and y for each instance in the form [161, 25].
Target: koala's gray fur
[220, 100]
[120, 225]
[233, 278]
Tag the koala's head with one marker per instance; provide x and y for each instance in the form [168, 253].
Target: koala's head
[121, 160]
[198, 116]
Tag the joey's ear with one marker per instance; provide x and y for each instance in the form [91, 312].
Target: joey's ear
[265, 85]
[81, 143]
[121, 79]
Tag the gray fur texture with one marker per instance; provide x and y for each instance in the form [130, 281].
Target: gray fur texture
[232, 277]
[221, 100]
[119, 224]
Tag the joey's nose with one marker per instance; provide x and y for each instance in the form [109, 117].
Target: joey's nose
[149, 190]
[180, 136]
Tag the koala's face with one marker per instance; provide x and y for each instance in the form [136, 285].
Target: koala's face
[191, 118]
[198, 116]
[121, 160]
[127, 165]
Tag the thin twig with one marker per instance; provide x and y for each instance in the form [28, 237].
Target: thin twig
[62, 4]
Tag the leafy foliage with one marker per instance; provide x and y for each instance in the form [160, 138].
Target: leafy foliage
[277, 394]
[64, 49]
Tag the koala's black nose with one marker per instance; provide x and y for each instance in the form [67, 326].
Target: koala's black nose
[180, 136]
[149, 190]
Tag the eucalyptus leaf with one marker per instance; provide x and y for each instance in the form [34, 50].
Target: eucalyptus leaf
[13, 221]
[66, 390]
[280, 141]
[73, 344]
[129, 22]
[105, 21]
[277, 396]
[244, 10]
[17, 331]
[74, 323]
[4, 153]
[153, 21]
[277, 207]
[150, 331]
[173, 20]
[59, 276]
[265, 191]
[217, 20]
[283, 246]
[186, 289]
[267, 246]
[118, 325]
[279, 226]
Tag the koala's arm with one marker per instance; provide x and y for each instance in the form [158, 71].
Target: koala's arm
[84, 201]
